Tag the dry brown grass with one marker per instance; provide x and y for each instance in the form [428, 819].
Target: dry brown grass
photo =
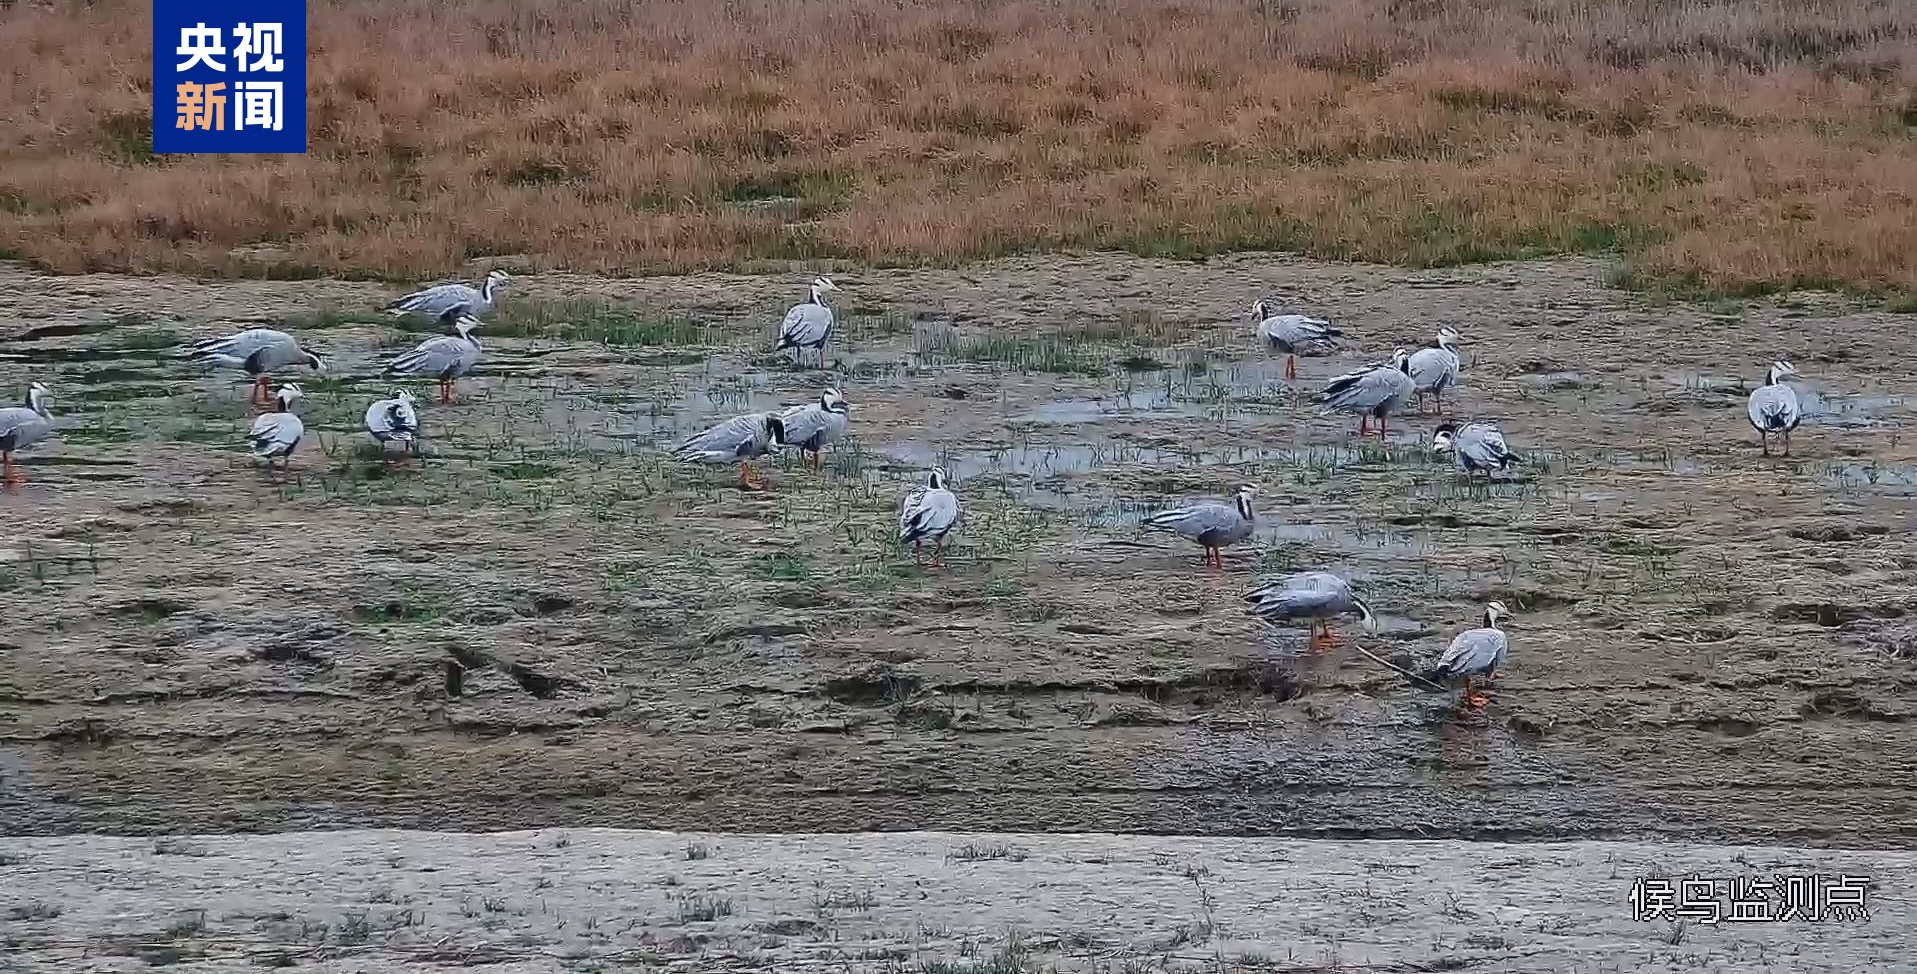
[1718, 144]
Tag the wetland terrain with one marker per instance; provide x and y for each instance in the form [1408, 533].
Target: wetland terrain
[1708, 644]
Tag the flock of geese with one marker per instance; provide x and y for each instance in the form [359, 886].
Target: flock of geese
[931, 511]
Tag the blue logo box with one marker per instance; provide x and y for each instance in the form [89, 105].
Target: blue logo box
[229, 76]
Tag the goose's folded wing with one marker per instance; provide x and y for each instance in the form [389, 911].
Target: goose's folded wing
[802, 423]
[1295, 603]
[1473, 650]
[1193, 520]
[723, 440]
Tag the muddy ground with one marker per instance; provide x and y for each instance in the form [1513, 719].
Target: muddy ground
[1708, 644]
[595, 900]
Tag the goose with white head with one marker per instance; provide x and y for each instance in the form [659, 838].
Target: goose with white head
[276, 434]
[1315, 596]
[1435, 369]
[1474, 654]
[1475, 447]
[739, 440]
[22, 426]
[258, 352]
[394, 419]
[928, 513]
[1373, 392]
[1774, 409]
[1211, 524]
[447, 357]
[808, 325]
[435, 301]
[817, 425]
[1292, 334]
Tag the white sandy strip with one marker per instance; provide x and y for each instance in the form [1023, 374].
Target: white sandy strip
[593, 899]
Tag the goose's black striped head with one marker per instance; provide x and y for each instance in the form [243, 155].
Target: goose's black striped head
[38, 395]
[1441, 440]
[315, 362]
[287, 394]
[1364, 613]
[1494, 614]
[775, 428]
[832, 402]
[1448, 336]
[936, 479]
[1780, 371]
[1243, 500]
[1260, 310]
[1401, 359]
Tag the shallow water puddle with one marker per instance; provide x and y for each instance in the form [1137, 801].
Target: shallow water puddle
[1846, 411]
[1889, 478]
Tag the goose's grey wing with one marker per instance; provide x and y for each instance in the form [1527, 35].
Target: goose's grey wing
[1482, 445]
[20, 426]
[1295, 330]
[436, 300]
[803, 424]
[928, 515]
[434, 356]
[1774, 408]
[735, 439]
[1324, 581]
[1433, 368]
[1195, 521]
[805, 326]
[254, 348]
[276, 434]
[1301, 603]
[1365, 390]
[1472, 652]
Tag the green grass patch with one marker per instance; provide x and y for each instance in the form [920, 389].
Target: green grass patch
[1041, 353]
[579, 320]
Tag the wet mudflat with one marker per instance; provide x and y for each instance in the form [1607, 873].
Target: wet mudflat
[978, 903]
[1708, 644]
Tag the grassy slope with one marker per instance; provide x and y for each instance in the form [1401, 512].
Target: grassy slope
[1718, 146]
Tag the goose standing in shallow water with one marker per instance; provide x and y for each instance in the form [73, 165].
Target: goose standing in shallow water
[257, 352]
[23, 426]
[435, 301]
[1435, 369]
[447, 357]
[808, 324]
[1292, 334]
[1316, 596]
[927, 514]
[394, 420]
[738, 440]
[1373, 392]
[1476, 446]
[1773, 407]
[816, 425]
[275, 435]
[1213, 525]
[1473, 654]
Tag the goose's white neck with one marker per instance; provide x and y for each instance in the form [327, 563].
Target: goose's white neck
[487, 290]
[1244, 507]
[818, 295]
